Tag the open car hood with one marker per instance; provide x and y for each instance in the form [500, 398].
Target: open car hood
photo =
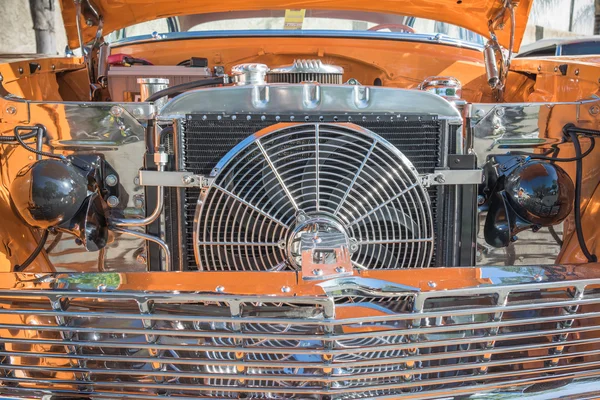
[117, 14]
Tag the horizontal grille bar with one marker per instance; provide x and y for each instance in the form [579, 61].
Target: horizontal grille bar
[323, 322]
[321, 352]
[311, 390]
[326, 378]
[371, 363]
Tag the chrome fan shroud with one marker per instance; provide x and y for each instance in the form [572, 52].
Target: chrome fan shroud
[272, 185]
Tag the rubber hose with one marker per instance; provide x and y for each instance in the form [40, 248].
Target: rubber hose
[36, 252]
[578, 173]
[184, 87]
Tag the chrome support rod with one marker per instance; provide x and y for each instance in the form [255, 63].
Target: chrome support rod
[150, 218]
[154, 239]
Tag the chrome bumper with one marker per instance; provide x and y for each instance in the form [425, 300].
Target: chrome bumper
[432, 333]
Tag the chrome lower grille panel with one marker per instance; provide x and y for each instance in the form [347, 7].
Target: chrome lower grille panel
[96, 335]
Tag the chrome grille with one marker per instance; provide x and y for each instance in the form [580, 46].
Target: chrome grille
[245, 218]
[126, 343]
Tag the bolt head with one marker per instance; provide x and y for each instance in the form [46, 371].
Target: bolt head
[141, 258]
[576, 72]
[112, 201]
[431, 284]
[111, 180]
[138, 201]
[220, 289]
[317, 272]
[20, 70]
[187, 179]
[537, 278]
[116, 111]
[594, 110]
[480, 200]
[340, 270]
[10, 110]
[285, 289]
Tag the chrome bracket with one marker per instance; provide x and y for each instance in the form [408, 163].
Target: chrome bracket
[325, 255]
[452, 177]
[173, 179]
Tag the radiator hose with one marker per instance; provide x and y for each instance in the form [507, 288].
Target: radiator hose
[184, 87]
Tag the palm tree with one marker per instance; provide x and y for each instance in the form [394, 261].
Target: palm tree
[42, 15]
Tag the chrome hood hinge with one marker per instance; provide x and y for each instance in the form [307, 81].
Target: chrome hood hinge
[496, 58]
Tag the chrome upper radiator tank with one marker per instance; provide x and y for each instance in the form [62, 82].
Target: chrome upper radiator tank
[353, 156]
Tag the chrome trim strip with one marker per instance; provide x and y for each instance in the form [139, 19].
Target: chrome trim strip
[230, 34]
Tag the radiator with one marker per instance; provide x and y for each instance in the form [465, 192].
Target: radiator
[205, 139]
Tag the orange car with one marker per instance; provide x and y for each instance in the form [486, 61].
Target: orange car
[309, 200]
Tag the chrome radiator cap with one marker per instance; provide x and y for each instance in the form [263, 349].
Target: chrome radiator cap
[249, 74]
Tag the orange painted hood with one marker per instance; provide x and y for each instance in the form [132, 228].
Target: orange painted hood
[470, 14]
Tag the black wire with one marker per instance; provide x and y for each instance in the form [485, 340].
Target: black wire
[570, 159]
[31, 149]
[36, 252]
[555, 236]
[573, 128]
[12, 139]
[184, 87]
[578, 173]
